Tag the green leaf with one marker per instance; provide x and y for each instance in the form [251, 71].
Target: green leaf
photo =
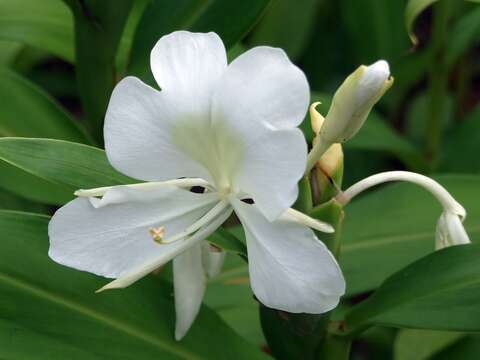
[28, 111]
[412, 10]
[9, 201]
[45, 24]
[438, 292]
[228, 242]
[375, 30]
[98, 29]
[230, 20]
[230, 295]
[389, 228]
[423, 344]
[465, 349]
[463, 36]
[462, 145]
[50, 311]
[279, 28]
[64, 165]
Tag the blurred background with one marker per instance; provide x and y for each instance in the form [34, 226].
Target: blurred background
[428, 122]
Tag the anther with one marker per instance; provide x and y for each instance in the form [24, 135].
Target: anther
[157, 233]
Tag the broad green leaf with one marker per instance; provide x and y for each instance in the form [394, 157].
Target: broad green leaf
[230, 295]
[422, 344]
[8, 51]
[51, 312]
[412, 10]
[65, 165]
[98, 29]
[230, 20]
[280, 27]
[45, 24]
[28, 111]
[9, 201]
[438, 292]
[463, 144]
[465, 349]
[464, 34]
[375, 30]
[389, 228]
[228, 241]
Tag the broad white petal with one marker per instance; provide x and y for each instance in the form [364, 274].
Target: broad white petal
[272, 165]
[450, 231]
[189, 65]
[145, 131]
[189, 282]
[212, 259]
[290, 269]
[110, 236]
[262, 86]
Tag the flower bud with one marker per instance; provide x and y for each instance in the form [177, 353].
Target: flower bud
[450, 231]
[353, 101]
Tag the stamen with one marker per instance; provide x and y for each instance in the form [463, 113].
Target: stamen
[301, 218]
[157, 233]
[144, 269]
[205, 219]
[182, 183]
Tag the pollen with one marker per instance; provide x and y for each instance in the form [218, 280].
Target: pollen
[157, 233]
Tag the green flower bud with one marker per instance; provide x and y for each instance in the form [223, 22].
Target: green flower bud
[353, 101]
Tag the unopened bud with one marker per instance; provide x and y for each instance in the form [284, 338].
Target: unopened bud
[350, 107]
[450, 231]
[353, 101]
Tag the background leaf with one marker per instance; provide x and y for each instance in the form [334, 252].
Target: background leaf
[439, 291]
[66, 166]
[412, 10]
[45, 24]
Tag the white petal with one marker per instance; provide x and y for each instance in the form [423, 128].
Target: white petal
[290, 269]
[111, 236]
[144, 132]
[272, 165]
[189, 282]
[450, 231]
[260, 100]
[189, 65]
[262, 86]
[212, 259]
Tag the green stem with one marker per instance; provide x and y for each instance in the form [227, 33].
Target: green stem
[335, 348]
[438, 81]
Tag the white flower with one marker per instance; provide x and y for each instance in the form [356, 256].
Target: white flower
[450, 230]
[231, 130]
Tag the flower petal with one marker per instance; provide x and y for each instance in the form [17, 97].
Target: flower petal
[110, 236]
[290, 269]
[260, 100]
[189, 65]
[262, 86]
[189, 282]
[212, 259]
[144, 131]
[273, 164]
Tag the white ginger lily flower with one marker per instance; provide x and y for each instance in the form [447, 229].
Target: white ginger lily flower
[450, 230]
[229, 129]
